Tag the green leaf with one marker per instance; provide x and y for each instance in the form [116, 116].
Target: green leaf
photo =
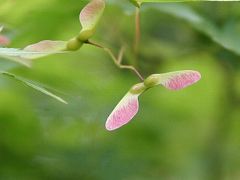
[227, 36]
[33, 85]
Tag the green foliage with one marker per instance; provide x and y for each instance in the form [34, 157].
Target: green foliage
[227, 35]
[138, 3]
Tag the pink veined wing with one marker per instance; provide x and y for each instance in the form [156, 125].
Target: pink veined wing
[179, 79]
[125, 110]
[46, 45]
[44, 48]
[91, 14]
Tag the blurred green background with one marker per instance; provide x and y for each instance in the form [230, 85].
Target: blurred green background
[192, 134]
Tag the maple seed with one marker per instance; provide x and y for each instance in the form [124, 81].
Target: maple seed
[128, 107]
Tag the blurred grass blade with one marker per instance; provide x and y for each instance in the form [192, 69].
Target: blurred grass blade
[33, 85]
[228, 36]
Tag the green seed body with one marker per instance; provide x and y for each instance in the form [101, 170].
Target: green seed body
[84, 35]
[74, 44]
[151, 81]
[138, 88]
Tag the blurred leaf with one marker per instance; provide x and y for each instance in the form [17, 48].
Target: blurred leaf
[33, 85]
[139, 2]
[4, 40]
[143, 1]
[227, 36]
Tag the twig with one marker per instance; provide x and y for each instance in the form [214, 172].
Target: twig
[137, 31]
[117, 61]
[120, 55]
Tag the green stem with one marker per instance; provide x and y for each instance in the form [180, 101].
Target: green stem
[120, 55]
[117, 61]
[137, 31]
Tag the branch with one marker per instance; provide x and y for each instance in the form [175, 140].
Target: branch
[137, 31]
[117, 61]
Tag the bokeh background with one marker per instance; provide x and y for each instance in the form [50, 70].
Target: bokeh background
[192, 134]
